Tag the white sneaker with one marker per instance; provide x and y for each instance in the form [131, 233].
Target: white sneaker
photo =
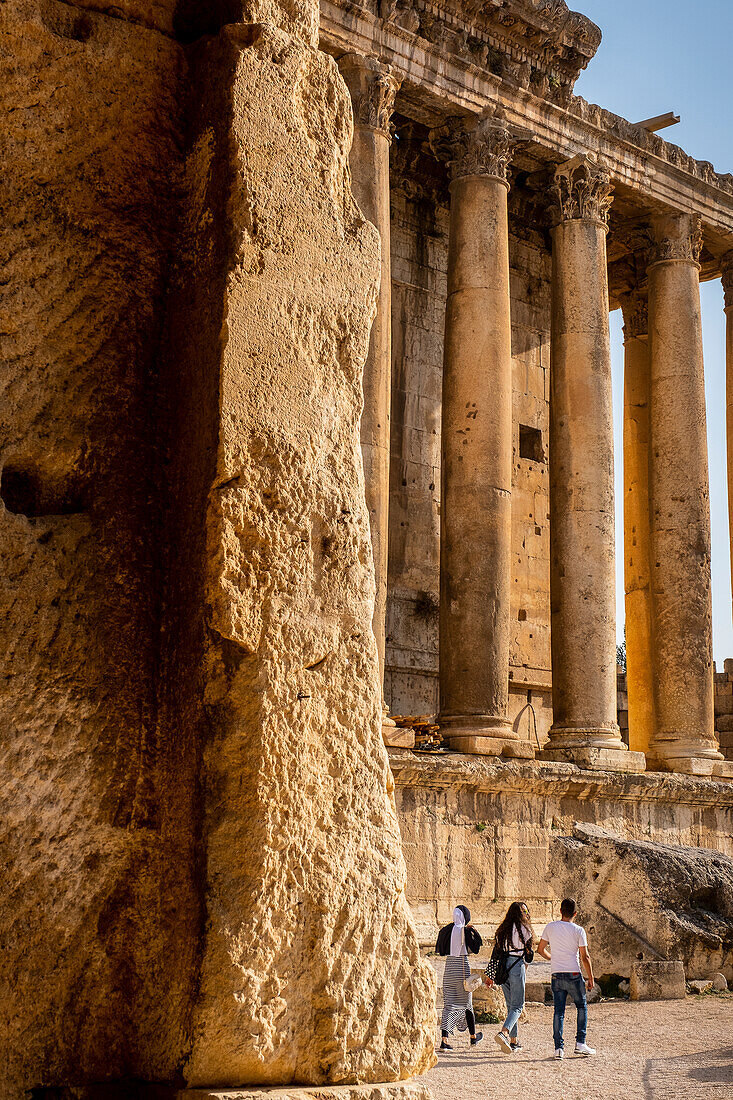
[503, 1042]
[559, 1054]
[583, 1048]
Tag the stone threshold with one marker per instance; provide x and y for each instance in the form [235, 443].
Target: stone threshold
[396, 1090]
[497, 775]
[412, 1089]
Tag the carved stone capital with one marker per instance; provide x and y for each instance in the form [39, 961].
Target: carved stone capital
[583, 190]
[373, 88]
[635, 309]
[677, 239]
[726, 274]
[480, 147]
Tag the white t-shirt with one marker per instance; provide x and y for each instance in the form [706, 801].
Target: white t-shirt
[565, 940]
[517, 947]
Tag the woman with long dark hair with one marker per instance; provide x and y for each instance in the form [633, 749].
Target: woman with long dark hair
[514, 938]
[455, 941]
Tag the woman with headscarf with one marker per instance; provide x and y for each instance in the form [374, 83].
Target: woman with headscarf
[455, 941]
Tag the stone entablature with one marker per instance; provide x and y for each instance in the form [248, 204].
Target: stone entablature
[538, 44]
[440, 80]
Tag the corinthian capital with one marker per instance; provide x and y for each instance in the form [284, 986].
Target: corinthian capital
[726, 272]
[373, 88]
[677, 239]
[583, 190]
[474, 147]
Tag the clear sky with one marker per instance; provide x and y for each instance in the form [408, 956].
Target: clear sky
[658, 56]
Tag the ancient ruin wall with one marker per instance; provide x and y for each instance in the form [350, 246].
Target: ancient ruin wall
[419, 261]
[191, 697]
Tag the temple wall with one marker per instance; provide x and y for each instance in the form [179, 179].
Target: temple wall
[479, 832]
[419, 262]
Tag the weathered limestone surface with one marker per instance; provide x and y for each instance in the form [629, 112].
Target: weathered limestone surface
[98, 920]
[647, 901]
[637, 548]
[659, 980]
[419, 263]
[481, 828]
[476, 474]
[413, 1090]
[310, 969]
[201, 862]
[681, 603]
[372, 91]
[583, 618]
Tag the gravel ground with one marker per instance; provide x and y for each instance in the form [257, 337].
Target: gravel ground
[661, 1050]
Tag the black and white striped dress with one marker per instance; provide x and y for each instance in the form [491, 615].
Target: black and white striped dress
[456, 1000]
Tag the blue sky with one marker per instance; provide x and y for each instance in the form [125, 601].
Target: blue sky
[658, 56]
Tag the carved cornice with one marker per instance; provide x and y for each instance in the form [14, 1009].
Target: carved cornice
[481, 147]
[635, 309]
[582, 190]
[373, 88]
[726, 274]
[537, 44]
[677, 239]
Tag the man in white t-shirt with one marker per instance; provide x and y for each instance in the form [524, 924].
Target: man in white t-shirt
[568, 945]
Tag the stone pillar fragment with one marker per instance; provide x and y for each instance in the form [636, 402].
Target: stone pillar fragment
[475, 552]
[373, 88]
[684, 739]
[640, 681]
[582, 541]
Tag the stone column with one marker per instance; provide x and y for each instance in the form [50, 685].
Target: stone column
[475, 528]
[582, 538]
[637, 563]
[373, 88]
[684, 739]
[727, 278]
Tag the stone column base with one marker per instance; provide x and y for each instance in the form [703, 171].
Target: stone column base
[707, 767]
[597, 759]
[484, 735]
[397, 1090]
[483, 743]
[395, 737]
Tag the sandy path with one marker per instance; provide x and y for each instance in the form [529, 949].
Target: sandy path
[673, 1050]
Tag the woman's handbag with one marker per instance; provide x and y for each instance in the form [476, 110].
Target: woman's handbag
[496, 970]
[528, 952]
[473, 983]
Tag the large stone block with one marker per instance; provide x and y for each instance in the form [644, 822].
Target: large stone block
[658, 980]
[643, 901]
[311, 969]
[98, 917]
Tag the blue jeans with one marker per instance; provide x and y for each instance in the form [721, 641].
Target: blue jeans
[562, 985]
[513, 990]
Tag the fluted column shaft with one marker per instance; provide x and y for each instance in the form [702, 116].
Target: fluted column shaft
[582, 537]
[684, 739]
[475, 530]
[373, 87]
[637, 533]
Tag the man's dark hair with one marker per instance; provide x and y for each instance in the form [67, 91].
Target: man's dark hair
[568, 908]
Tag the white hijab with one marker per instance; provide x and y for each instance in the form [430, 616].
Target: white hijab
[458, 936]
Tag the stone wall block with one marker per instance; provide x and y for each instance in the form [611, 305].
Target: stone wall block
[657, 981]
[97, 920]
[311, 968]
